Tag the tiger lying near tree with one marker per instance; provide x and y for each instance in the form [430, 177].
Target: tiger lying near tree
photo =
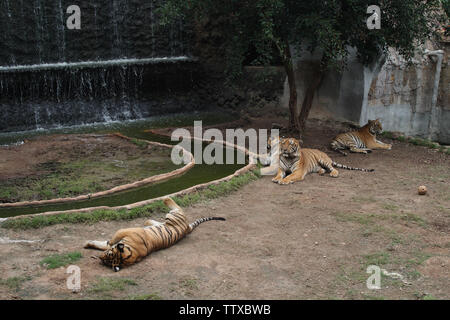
[296, 163]
[131, 245]
[362, 140]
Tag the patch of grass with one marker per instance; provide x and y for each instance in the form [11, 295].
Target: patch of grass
[14, 283]
[377, 259]
[416, 141]
[59, 260]
[106, 286]
[363, 219]
[151, 296]
[211, 192]
[364, 199]
[418, 257]
[428, 297]
[140, 143]
[190, 284]
[74, 178]
[411, 217]
[423, 143]
[390, 207]
[387, 134]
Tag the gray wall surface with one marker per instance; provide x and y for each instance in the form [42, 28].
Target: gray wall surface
[400, 95]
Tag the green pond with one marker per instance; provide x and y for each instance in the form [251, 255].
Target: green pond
[200, 173]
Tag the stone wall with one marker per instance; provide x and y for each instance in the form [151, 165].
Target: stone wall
[400, 95]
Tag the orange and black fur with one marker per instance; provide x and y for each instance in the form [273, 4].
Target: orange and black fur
[296, 163]
[131, 245]
[362, 140]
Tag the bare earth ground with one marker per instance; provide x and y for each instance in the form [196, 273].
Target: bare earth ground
[310, 240]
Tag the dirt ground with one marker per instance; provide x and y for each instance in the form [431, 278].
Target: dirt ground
[309, 240]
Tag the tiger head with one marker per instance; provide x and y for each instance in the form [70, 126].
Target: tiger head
[289, 148]
[375, 126]
[116, 256]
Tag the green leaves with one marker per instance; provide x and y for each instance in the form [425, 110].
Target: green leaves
[328, 26]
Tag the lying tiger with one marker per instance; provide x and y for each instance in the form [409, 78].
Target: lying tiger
[296, 163]
[131, 245]
[362, 140]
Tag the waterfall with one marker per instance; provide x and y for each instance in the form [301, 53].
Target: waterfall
[120, 65]
[35, 32]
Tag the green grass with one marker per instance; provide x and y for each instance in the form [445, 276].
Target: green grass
[140, 143]
[211, 192]
[108, 285]
[364, 199]
[59, 260]
[79, 177]
[14, 283]
[377, 259]
[417, 142]
[190, 284]
[390, 207]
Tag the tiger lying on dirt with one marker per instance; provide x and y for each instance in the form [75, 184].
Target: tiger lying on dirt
[131, 245]
[296, 162]
[362, 140]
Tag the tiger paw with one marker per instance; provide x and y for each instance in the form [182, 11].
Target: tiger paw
[334, 173]
[285, 182]
[276, 180]
[88, 244]
[389, 146]
[322, 171]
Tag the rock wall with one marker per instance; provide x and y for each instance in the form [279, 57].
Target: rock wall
[401, 95]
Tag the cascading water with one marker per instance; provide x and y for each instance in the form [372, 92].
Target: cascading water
[120, 65]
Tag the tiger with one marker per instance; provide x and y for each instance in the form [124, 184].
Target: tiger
[296, 163]
[362, 140]
[131, 245]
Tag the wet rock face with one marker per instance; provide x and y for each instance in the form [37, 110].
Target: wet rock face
[35, 32]
[46, 99]
[402, 96]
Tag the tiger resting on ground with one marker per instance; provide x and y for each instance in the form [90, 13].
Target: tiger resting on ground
[131, 245]
[296, 162]
[362, 140]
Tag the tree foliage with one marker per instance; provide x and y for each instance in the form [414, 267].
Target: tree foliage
[329, 27]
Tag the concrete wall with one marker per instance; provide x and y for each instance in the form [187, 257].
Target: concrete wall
[400, 95]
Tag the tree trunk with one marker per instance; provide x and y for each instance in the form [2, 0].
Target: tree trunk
[307, 101]
[289, 68]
